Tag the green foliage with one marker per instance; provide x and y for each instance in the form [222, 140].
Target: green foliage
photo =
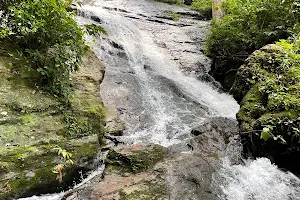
[249, 25]
[95, 30]
[6, 3]
[266, 134]
[203, 6]
[66, 162]
[175, 16]
[268, 86]
[65, 155]
[78, 126]
[282, 90]
[49, 38]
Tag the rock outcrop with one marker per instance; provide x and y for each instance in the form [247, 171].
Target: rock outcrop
[35, 127]
[181, 171]
[267, 87]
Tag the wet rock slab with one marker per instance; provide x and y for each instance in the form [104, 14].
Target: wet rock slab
[182, 171]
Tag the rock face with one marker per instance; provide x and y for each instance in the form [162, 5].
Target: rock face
[35, 127]
[267, 87]
[132, 172]
[181, 171]
[223, 69]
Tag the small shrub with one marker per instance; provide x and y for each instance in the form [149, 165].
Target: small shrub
[173, 15]
[203, 6]
[49, 38]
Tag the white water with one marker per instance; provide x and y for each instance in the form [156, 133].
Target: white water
[258, 180]
[146, 96]
[150, 92]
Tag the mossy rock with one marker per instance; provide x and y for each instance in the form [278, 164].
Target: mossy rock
[33, 124]
[267, 87]
[133, 172]
[135, 158]
[152, 190]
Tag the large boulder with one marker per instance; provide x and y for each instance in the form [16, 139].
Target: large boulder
[41, 136]
[132, 172]
[267, 87]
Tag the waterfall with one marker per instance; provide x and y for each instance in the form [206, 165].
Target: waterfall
[157, 82]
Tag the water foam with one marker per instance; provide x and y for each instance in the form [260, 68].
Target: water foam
[258, 180]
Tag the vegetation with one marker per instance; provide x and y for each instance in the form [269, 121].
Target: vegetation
[135, 161]
[268, 87]
[175, 16]
[94, 30]
[203, 6]
[49, 39]
[51, 117]
[267, 84]
[247, 26]
[66, 162]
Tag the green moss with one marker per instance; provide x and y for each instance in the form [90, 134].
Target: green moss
[136, 161]
[203, 6]
[173, 15]
[268, 87]
[35, 123]
[85, 150]
[154, 190]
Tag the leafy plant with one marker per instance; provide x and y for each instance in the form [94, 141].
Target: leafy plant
[203, 6]
[49, 38]
[66, 162]
[95, 30]
[266, 133]
[175, 16]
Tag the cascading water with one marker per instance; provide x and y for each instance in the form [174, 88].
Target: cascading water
[144, 76]
[154, 82]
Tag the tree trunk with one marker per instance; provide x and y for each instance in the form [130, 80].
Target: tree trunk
[217, 12]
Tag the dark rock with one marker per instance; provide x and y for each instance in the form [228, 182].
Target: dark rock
[188, 2]
[229, 78]
[198, 130]
[116, 45]
[223, 126]
[147, 67]
[192, 172]
[96, 19]
[122, 55]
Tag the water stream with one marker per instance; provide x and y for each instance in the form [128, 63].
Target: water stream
[157, 82]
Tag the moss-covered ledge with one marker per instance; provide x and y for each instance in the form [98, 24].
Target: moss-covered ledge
[33, 125]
